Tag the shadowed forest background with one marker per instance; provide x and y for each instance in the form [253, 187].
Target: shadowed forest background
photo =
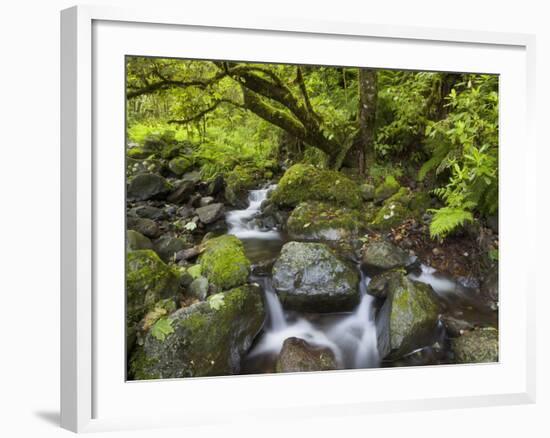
[244, 180]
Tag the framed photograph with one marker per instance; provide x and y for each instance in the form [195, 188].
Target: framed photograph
[259, 208]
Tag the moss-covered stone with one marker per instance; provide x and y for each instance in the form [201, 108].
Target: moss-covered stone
[208, 338]
[386, 189]
[382, 255]
[148, 280]
[137, 153]
[402, 205]
[147, 186]
[224, 262]
[180, 165]
[303, 182]
[476, 346]
[322, 221]
[408, 317]
[309, 277]
[135, 241]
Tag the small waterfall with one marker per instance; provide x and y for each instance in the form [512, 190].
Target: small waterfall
[241, 222]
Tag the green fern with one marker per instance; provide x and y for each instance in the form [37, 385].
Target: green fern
[447, 219]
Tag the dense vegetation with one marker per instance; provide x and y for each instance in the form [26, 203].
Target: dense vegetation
[261, 197]
[439, 130]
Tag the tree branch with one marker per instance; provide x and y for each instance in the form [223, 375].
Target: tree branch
[202, 113]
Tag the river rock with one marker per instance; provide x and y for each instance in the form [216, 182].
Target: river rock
[381, 284]
[150, 212]
[182, 192]
[224, 262]
[476, 346]
[136, 241]
[194, 177]
[367, 192]
[205, 339]
[407, 319]
[167, 247]
[298, 355]
[206, 200]
[147, 186]
[210, 213]
[310, 277]
[322, 221]
[147, 227]
[381, 255]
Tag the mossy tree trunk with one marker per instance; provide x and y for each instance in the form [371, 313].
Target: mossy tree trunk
[368, 95]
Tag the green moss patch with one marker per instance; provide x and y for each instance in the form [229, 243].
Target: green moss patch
[303, 182]
[224, 262]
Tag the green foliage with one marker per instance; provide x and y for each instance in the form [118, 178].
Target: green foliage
[162, 328]
[447, 219]
[466, 146]
[216, 301]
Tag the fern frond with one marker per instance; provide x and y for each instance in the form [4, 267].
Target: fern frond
[447, 219]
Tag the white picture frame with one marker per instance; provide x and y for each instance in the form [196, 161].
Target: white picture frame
[92, 392]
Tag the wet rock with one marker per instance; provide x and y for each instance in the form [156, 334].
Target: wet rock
[182, 192]
[310, 277]
[298, 355]
[381, 284]
[224, 263]
[150, 212]
[210, 213]
[407, 319]
[204, 339]
[381, 255]
[147, 186]
[322, 221]
[198, 288]
[167, 247]
[456, 326]
[476, 346]
[206, 200]
[185, 212]
[147, 227]
[194, 177]
[216, 186]
[135, 241]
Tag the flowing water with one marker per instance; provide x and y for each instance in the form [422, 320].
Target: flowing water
[352, 335]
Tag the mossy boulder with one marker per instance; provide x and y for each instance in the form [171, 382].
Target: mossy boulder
[381, 284]
[309, 277]
[147, 186]
[321, 221]
[408, 318]
[137, 153]
[148, 280]
[224, 263]
[476, 346]
[135, 241]
[386, 189]
[298, 355]
[147, 227]
[205, 339]
[381, 255]
[167, 247]
[402, 205]
[367, 191]
[180, 165]
[303, 182]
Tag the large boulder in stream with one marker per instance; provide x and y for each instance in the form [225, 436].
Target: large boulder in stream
[408, 317]
[298, 355]
[205, 339]
[224, 263]
[304, 182]
[476, 346]
[309, 277]
[321, 221]
[147, 186]
[382, 255]
[210, 213]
